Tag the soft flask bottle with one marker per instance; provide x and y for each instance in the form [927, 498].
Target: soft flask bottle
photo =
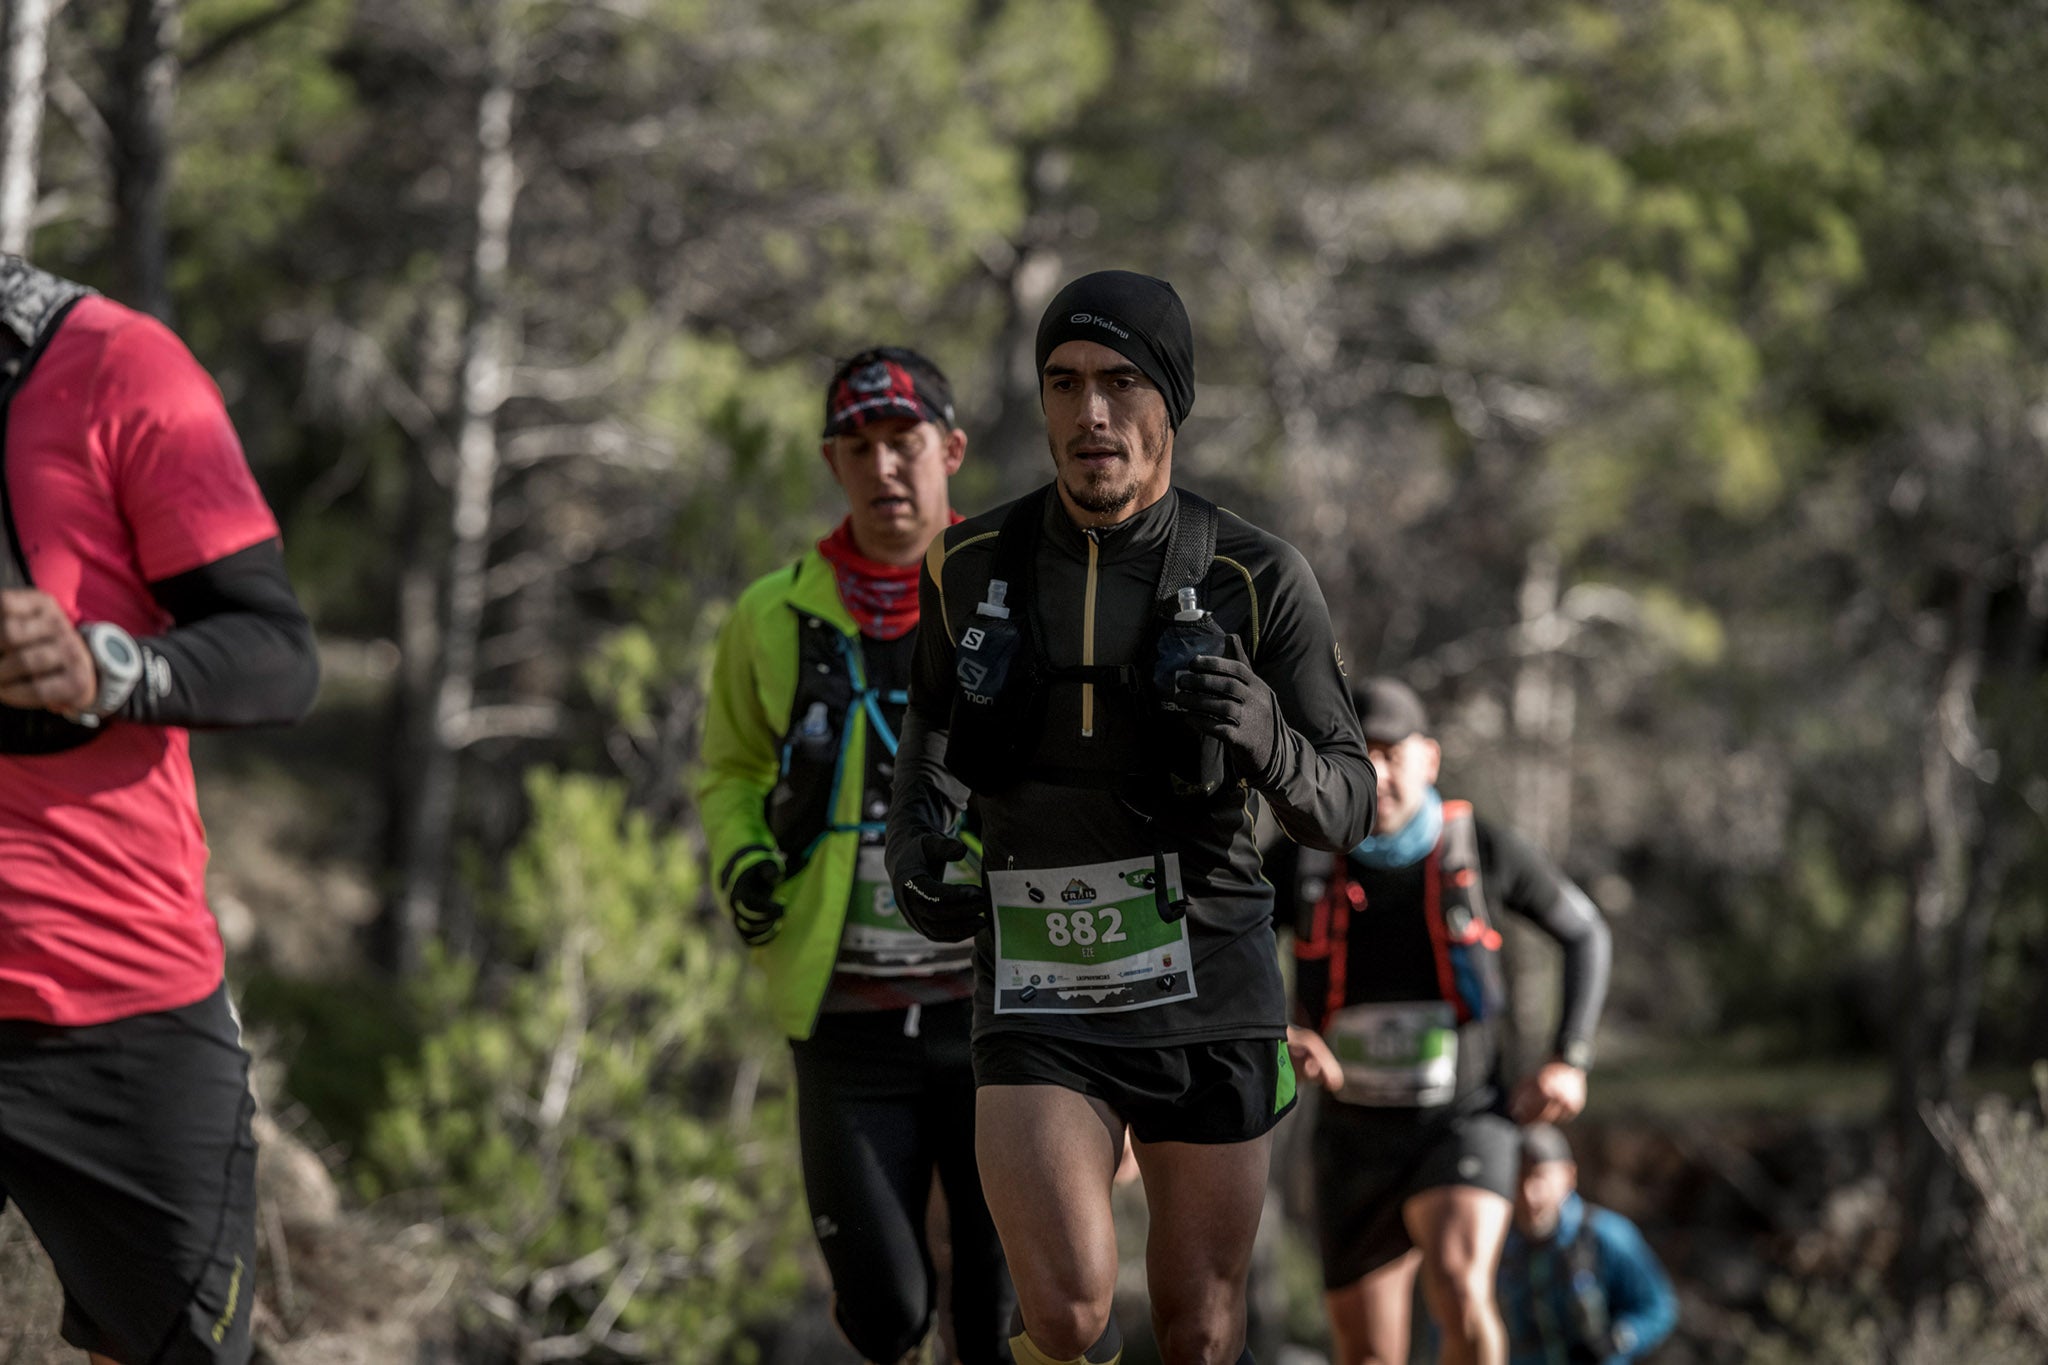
[1196, 764]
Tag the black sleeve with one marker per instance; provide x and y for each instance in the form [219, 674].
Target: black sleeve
[926, 797]
[1281, 864]
[1522, 880]
[241, 652]
[1321, 783]
[932, 683]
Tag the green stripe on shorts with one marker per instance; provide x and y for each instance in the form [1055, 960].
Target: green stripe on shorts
[1283, 1088]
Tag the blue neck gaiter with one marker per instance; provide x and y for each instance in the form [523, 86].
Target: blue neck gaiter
[1409, 844]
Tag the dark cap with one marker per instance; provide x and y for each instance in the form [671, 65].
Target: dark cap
[1543, 1142]
[1389, 710]
[1140, 318]
[885, 382]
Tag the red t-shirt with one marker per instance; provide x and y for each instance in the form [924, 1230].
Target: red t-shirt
[122, 470]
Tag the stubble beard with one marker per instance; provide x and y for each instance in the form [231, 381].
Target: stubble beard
[1105, 498]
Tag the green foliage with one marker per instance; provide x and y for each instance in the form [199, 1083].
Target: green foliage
[1805, 949]
[341, 1041]
[601, 1093]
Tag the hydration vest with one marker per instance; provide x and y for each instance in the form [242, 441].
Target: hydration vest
[999, 715]
[1586, 1334]
[1463, 940]
[831, 684]
[33, 304]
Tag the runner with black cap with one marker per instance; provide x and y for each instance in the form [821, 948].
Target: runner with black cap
[1400, 997]
[1119, 673]
[807, 695]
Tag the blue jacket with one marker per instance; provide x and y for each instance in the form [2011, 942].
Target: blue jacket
[1554, 1295]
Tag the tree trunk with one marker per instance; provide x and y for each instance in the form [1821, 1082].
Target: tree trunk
[1014, 436]
[1941, 897]
[1544, 712]
[28, 50]
[144, 91]
[485, 367]
[1972, 853]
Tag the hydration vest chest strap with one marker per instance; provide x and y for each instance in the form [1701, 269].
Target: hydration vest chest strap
[33, 305]
[1002, 666]
[832, 689]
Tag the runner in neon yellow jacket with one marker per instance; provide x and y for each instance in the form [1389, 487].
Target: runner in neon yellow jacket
[808, 691]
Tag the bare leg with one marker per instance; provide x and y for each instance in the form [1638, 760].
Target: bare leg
[1460, 1231]
[1047, 1156]
[1369, 1318]
[1205, 1200]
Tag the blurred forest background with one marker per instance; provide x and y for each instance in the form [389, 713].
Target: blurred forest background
[1660, 386]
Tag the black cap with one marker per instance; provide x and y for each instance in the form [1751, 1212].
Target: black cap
[884, 382]
[1140, 318]
[1389, 710]
[1543, 1142]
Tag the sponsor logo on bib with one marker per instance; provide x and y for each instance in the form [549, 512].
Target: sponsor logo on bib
[1078, 892]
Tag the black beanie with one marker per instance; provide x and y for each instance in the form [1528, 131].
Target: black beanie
[1136, 316]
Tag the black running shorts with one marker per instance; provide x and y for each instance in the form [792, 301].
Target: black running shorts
[1230, 1091]
[1370, 1162]
[127, 1146]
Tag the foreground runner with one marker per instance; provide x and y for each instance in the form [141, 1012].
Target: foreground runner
[1128, 976]
[142, 590]
[806, 699]
[1397, 970]
[1578, 1284]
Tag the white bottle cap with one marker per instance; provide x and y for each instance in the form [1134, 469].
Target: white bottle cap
[1188, 610]
[997, 591]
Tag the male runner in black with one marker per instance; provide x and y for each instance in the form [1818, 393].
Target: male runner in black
[1399, 993]
[1120, 674]
[142, 593]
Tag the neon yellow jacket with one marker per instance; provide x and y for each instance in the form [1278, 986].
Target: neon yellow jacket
[754, 681]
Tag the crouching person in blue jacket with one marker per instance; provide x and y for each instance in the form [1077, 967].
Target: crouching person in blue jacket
[1578, 1284]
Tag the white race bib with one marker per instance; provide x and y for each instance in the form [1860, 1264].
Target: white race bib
[876, 941]
[1399, 1055]
[1089, 940]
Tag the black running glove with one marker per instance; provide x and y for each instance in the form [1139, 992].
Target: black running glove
[755, 911]
[942, 911]
[1224, 699]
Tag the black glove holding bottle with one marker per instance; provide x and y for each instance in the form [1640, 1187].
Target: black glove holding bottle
[1223, 698]
[943, 911]
[1194, 762]
[755, 911]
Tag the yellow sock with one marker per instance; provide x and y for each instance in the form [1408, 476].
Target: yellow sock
[1024, 1352]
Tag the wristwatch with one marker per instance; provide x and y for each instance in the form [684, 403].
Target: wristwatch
[118, 661]
[1577, 1053]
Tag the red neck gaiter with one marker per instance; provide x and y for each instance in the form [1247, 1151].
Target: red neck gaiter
[882, 597]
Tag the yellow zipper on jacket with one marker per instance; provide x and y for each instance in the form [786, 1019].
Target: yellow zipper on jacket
[1088, 641]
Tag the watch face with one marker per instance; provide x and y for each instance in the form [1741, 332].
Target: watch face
[118, 660]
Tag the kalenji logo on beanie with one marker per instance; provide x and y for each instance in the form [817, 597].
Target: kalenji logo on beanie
[1095, 320]
[1137, 316]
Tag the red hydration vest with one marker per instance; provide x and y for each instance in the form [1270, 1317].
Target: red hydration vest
[1461, 933]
